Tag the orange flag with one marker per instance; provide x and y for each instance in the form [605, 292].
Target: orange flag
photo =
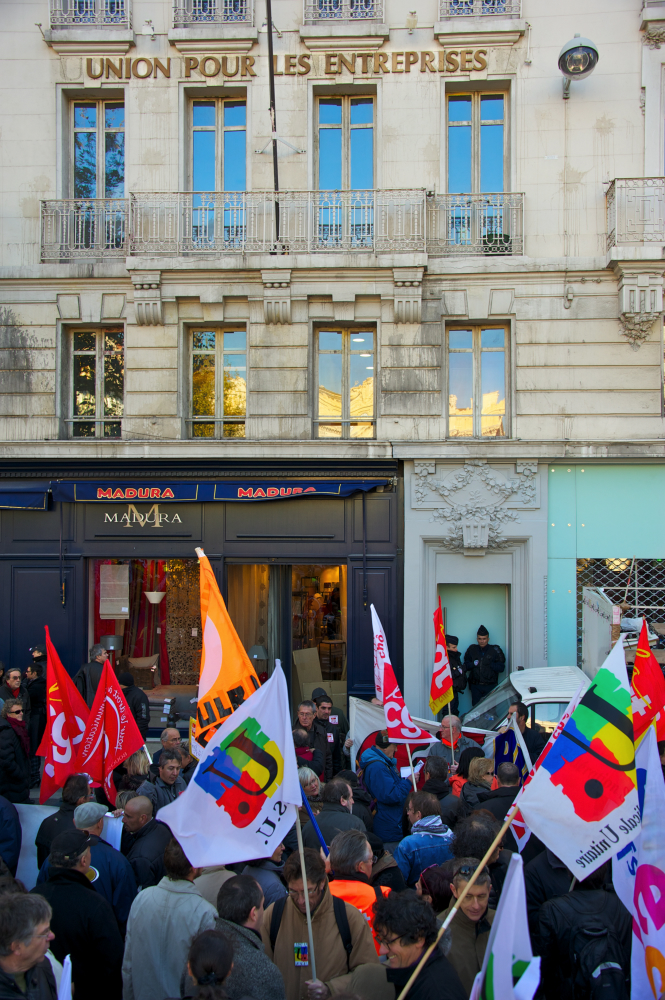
[227, 675]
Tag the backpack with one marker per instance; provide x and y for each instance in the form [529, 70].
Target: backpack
[341, 920]
[596, 958]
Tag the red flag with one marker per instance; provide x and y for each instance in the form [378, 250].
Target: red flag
[66, 717]
[648, 689]
[111, 734]
[401, 727]
[441, 688]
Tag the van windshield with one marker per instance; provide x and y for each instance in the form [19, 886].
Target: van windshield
[492, 710]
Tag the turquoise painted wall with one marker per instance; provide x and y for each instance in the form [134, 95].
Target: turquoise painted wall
[596, 512]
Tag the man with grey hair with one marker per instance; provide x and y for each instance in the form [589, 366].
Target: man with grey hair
[170, 739]
[452, 742]
[83, 922]
[89, 676]
[317, 738]
[25, 935]
[351, 860]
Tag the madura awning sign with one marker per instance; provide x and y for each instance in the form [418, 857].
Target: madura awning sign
[118, 492]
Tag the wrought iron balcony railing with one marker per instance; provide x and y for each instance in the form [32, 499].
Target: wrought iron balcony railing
[342, 10]
[636, 211]
[198, 13]
[491, 224]
[479, 8]
[309, 222]
[90, 13]
[84, 227]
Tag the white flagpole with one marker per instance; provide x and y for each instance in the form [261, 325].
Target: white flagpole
[312, 960]
[147, 753]
[413, 777]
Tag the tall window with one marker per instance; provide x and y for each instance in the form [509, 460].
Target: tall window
[346, 143]
[98, 161]
[477, 382]
[98, 383]
[219, 145]
[219, 383]
[346, 407]
[476, 142]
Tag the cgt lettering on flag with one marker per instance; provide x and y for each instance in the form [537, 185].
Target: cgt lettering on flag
[242, 772]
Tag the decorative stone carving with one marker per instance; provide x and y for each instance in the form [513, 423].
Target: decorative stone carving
[408, 294]
[640, 303]
[148, 297]
[654, 36]
[276, 296]
[477, 501]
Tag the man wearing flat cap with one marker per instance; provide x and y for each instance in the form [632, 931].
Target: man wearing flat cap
[83, 922]
[112, 874]
[483, 663]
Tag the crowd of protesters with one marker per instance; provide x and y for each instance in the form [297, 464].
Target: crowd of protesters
[141, 923]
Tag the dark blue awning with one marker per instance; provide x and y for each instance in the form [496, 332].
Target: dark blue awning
[151, 491]
[24, 497]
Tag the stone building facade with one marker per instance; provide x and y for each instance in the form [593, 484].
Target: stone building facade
[456, 295]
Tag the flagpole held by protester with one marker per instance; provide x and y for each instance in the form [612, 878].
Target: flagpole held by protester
[441, 688]
[413, 777]
[301, 851]
[460, 899]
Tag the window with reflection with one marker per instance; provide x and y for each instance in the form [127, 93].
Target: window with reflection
[98, 157]
[219, 383]
[218, 171]
[98, 382]
[346, 384]
[476, 142]
[477, 359]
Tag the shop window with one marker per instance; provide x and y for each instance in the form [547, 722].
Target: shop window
[345, 404]
[218, 151]
[98, 154]
[477, 375]
[219, 383]
[98, 383]
[477, 142]
[345, 143]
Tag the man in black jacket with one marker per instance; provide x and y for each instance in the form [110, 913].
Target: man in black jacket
[138, 702]
[316, 735]
[362, 800]
[36, 682]
[499, 801]
[25, 937]
[404, 927]
[90, 674]
[483, 664]
[534, 739]
[335, 815]
[457, 671]
[544, 878]
[75, 791]
[83, 922]
[436, 782]
[335, 733]
[10, 834]
[143, 841]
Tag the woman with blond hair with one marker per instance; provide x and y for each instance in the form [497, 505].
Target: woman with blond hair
[481, 776]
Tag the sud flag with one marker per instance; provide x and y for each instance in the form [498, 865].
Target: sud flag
[227, 676]
[509, 749]
[111, 735]
[638, 874]
[381, 654]
[242, 799]
[66, 716]
[441, 688]
[509, 972]
[582, 801]
[648, 687]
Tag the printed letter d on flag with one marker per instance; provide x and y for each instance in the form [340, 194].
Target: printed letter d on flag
[66, 717]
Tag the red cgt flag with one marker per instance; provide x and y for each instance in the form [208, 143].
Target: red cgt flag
[111, 734]
[648, 689]
[441, 688]
[401, 727]
[66, 717]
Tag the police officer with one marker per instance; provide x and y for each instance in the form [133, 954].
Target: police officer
[483, 663]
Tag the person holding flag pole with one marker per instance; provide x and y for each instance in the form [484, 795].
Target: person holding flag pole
[441, 689]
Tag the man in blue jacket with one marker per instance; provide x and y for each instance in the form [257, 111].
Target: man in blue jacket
[429, 840]
[382, 781]
[114, 878]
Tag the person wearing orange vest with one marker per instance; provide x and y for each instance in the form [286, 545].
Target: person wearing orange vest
[351, 859]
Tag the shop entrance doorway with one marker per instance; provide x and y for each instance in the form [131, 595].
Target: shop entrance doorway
[294, 613]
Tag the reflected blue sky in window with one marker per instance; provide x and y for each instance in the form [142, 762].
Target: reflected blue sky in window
[460, 379]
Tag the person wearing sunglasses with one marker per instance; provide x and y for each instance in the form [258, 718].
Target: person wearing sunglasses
[405, 926]
[470, 930]
[14, 753]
